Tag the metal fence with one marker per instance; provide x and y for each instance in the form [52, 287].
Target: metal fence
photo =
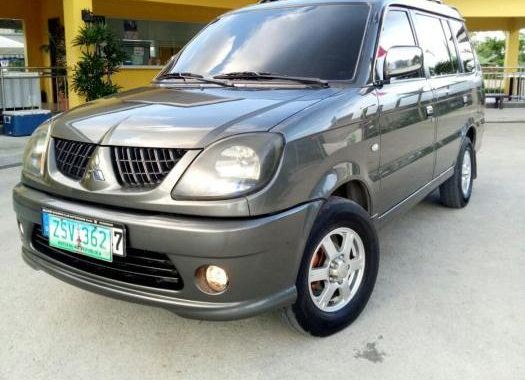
[47, 87]
[505, 83]
[25, 88]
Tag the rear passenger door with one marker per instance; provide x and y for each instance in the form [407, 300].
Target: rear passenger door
[452, 90]
[471, 75]
[407, 129]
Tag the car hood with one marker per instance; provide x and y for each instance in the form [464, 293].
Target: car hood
[185, 118]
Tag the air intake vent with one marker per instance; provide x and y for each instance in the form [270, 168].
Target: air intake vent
[72, 157]
[144, 167]
[145, 268]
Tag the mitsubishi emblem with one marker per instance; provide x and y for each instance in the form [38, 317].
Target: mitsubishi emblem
[96, 173]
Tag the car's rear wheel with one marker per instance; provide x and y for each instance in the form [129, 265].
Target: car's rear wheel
[338, 270]
[457, 190]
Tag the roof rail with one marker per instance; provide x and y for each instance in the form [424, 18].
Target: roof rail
[271, 1]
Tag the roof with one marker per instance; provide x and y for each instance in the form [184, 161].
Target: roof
[426, 5]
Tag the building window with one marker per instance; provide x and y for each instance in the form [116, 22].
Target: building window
[12, 43]
[152, 43]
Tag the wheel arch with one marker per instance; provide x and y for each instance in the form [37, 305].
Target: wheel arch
[345, 180]
[355, 190]
[471, 133]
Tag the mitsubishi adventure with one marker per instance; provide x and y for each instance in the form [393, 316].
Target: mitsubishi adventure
[253, 173]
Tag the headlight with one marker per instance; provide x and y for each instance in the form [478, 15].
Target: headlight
[232, 167]
[35, 152]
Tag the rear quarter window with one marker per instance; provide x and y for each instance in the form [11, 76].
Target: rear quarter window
[466, 52]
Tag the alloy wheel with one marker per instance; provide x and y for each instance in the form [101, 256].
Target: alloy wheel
[336, 269]
[466, 173]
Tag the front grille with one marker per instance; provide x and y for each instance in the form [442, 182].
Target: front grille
[139, 267]
[144, 167]
[72, 157]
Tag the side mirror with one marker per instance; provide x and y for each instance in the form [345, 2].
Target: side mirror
[402, 61]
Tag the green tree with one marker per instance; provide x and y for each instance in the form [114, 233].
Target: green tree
[491, 52]
[101, 57]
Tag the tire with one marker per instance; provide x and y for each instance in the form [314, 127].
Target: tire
[452, 192]
[345, 226]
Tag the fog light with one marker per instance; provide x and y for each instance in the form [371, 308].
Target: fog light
[212, 279]
[216, 278]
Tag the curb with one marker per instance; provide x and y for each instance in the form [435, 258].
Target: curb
[10, 161]
[505, 121]
[9, 166]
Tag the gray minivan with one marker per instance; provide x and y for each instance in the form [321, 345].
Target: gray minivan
[253, 172]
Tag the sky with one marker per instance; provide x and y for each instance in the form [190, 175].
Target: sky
[481, 36]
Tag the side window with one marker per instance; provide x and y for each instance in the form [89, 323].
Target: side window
[451, 46]
[434, 44]
[396, 31]
[466, 53]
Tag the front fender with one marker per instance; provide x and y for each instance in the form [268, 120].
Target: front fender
[340, 175]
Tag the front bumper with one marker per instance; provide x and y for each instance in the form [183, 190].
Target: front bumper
[261, 255]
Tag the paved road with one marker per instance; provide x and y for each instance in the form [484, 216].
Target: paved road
[449, 304]
[506, 115]
[11, 149]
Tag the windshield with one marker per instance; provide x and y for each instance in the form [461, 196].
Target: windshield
[320, 41]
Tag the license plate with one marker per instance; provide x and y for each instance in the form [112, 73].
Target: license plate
[82, 235]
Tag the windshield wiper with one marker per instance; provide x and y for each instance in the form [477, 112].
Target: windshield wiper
[269, 76]
[198, 77]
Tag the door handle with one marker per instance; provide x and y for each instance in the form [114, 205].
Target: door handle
[430, 111]
[466, 100]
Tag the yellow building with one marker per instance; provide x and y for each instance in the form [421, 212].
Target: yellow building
[491, 15]
[153, 30]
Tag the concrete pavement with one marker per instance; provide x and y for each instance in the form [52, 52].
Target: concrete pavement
[11, 149]
[449, 304]
[506, 115]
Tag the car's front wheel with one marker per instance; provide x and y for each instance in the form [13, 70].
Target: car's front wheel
[338, 270]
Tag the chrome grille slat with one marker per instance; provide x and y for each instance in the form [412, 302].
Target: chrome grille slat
[72, 157]
[117, 163]
[139, 154]
[144, 165]
[137, 167]
[153, 163]
[77, 160]
[157, 161]
[132, 166]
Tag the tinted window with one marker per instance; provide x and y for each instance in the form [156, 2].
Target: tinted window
[434, 44]
[396, 31]
[465, 48]
[451, 46]
[310, 41]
